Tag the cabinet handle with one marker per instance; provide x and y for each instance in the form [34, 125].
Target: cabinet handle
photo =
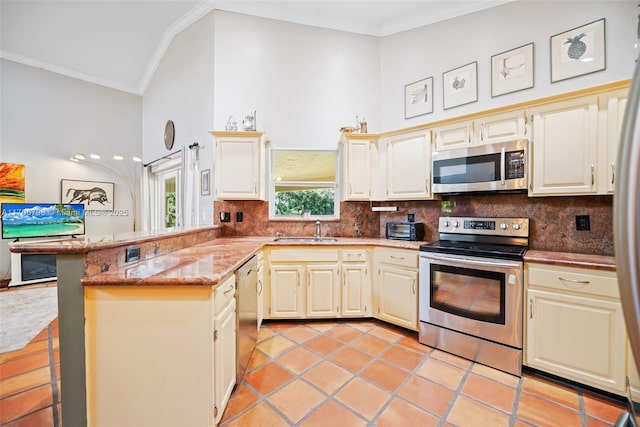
[482, 132]
[592, 176]
[396, 257]
[259, 287]
[228, 290]
[413, 286]
[524, 114]
[577, 282]
[530, 308]
[469, 130]
[426, 185]
[255, 187]
[613, 172]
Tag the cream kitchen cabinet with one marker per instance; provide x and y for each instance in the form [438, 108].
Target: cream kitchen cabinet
[359, 157]
[487, 129]
[224, 345]
[134, 333]
[356, 284]
[575, 327]
[240, 165]
[616, 104]
[303, 283]
[260, 291]
[408, 165]
[396, 293]
[634, 376]
[323, 290]
[565, 147]
[286, 296]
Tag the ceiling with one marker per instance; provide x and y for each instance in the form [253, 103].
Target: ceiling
[119, 43]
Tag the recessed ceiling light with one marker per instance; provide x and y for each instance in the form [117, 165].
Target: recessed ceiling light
[94, 156]
[136, 159]
[118, 157]
[79, 156]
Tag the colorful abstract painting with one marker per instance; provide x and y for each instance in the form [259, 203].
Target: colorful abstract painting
[11, 183]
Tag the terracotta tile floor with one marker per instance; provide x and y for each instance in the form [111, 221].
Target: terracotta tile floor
[353, 373]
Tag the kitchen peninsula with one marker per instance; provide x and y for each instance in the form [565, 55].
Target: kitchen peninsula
[177, 269]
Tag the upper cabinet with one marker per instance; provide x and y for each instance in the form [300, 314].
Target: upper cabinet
[575, 144]
[408, 165]
[564, 148]
[240, 165]
[616, 104]
[358, 153]
[488, 129]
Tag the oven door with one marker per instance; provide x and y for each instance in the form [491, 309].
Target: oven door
[478, 296]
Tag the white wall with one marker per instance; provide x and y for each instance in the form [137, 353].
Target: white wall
[304, 82]
[182, 90]
[431, 50]
[46, 118]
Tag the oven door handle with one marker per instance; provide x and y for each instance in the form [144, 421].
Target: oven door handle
[474, 261]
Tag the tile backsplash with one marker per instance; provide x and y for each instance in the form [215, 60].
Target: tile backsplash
[552, 219]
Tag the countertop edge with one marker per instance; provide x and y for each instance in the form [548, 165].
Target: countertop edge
[598, 262]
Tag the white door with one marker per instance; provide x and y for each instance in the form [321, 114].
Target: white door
[166, 195]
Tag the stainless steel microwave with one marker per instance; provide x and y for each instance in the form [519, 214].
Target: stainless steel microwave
[490, 167]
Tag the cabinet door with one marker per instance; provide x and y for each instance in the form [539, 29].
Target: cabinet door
[357, 169]
[455, 135]
[355, 290]
[501, 128]
[260, 291]
[224, 358]
[615, 114]
[408, 166]
[398, 296]
[238, 168]
[577, 337]
[564, 147]
[634, 375]
[323, 291]
[286, 292]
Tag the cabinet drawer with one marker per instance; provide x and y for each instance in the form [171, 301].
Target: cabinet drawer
[354, 255]
[303, 254]
[404, 258]
[225, 292]
[573, 279]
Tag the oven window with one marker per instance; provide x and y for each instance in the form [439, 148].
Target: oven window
[470, 293]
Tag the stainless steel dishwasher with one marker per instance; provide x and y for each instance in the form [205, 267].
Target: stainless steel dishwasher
[246, 314]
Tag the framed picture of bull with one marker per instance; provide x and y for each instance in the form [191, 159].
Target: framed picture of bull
[94, 195]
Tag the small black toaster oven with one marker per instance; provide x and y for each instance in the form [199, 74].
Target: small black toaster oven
[405, 230]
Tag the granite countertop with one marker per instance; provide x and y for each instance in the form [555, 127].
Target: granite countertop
[84, 244]
[208, 263]
[598, 262]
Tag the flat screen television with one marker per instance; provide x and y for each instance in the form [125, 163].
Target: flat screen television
[22, 220]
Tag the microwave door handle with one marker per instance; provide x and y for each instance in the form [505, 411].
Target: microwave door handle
[467, 261]
[502, 166]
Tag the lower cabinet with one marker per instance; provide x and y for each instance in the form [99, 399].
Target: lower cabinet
[135, 334]
[575, 326]
[260, 291]
[397, 287]
[224, 346]
[318, 283]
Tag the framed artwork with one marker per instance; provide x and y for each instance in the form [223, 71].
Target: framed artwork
[578, 51]
[460, 85]
[418, 98]
[205, 179]
[94, 195]
[11, 182]
[512, 70]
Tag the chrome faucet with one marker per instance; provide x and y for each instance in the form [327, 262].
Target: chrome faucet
[318, 230]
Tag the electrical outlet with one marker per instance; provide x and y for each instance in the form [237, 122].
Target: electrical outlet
[132, 254]
[225, 216]
[239, 216]
[583, 223]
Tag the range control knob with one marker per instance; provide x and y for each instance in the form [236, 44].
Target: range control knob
[456, 224]
[516, 226]
[445, 224]
[503, 226]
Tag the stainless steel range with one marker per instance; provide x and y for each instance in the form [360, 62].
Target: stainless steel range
[471, 290]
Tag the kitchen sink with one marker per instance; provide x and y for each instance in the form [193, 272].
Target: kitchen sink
[305, 239]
